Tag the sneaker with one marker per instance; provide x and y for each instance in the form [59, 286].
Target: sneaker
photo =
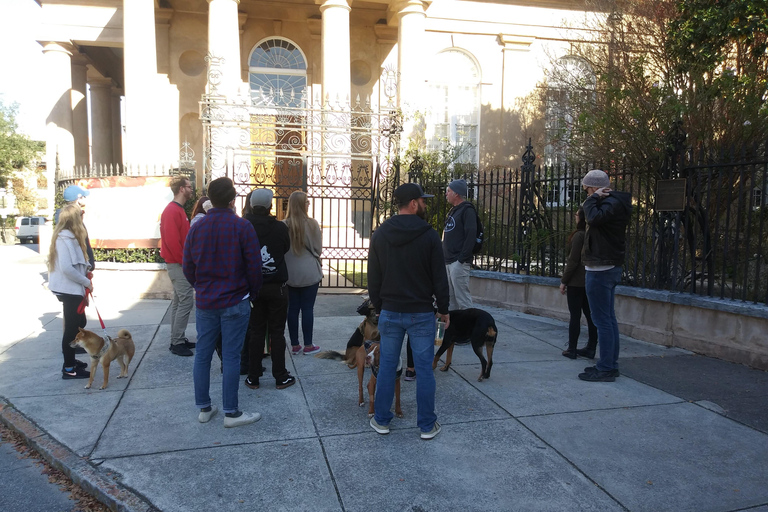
[252, 383]
[205, 416]
[75, 373]
[180, 350]
[311, 349]
[410, 375]
[432, 433]
[295, 349]
[597, 376]
[188, 343]
[286, 382]
[381, 429]
[242, 418]
[614, 372]
[80, 364]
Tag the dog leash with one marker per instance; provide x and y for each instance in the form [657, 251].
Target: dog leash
[103, 327]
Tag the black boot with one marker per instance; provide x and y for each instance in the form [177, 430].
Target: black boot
[587, 352]
[570, 353]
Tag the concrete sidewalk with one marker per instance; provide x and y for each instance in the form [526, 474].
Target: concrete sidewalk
[533, 437]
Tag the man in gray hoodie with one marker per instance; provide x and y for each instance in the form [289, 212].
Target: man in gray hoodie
[406, 274]
[459, 238]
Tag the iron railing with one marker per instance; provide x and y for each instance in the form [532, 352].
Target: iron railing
[713, 245]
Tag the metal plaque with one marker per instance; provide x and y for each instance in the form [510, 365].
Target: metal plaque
[670, 195]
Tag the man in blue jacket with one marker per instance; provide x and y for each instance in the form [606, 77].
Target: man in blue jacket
[607, 213]
[406, 274]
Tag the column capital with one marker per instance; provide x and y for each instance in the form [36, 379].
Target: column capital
[327, 4]
[515, 43]
[405, 7]
[78, 59]
[163, 16]
[58, 46]
[100, 82]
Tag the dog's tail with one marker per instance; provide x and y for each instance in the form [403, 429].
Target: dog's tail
[330, 354]
[123, 333]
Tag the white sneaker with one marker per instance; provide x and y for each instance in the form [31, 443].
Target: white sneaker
[205, 417]
[243, 419]
[381, 429]
[432, 433]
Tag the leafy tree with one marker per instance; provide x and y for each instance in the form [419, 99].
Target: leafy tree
[657, 62]
[16, 150]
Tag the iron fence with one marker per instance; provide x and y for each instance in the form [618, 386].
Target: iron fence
[698, 224]
[67, 177]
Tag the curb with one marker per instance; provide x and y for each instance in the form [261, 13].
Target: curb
[94, 480]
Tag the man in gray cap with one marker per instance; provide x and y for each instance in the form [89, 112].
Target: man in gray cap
[270, 309]
[607, 213]
[459, 238]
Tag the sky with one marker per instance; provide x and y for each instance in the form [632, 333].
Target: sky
[22, 77]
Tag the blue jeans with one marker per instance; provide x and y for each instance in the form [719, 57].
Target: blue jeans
[601, 292]
[301, 299]
[231, 323]
[421, 333]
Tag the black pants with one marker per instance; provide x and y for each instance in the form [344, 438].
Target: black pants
[72, 321]
[578, 303]
[268, 316]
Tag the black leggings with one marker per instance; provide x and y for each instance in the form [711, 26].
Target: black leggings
[577, 302]
[72, 321]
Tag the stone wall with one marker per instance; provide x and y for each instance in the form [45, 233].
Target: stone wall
[730, 330]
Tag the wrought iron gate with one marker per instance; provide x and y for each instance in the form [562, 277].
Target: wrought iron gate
[342, 155]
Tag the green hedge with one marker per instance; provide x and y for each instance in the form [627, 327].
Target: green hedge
[128, 255]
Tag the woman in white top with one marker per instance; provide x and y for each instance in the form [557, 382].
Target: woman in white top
[69, 278]
[304, 271]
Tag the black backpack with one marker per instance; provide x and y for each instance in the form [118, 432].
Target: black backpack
[479, 233]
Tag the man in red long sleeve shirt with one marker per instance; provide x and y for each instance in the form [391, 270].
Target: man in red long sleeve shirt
[174, 226]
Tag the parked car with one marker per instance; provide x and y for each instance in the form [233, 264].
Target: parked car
[28, 228]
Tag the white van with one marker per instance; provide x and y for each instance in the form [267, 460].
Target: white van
[28, 228]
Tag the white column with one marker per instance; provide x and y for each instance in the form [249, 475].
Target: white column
[224, 43]
[59, 141]
[335, 51]
[140, 59]
[410, 53]
[117, 127]
[101, 121]
[80, 110]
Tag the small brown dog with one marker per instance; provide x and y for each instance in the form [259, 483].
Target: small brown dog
[368, 355]
[120, 348]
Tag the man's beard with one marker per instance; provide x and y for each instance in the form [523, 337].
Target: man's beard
[421, 211]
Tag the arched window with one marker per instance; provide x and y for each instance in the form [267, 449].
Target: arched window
[278, 73]
[571, 83]
[453, 89]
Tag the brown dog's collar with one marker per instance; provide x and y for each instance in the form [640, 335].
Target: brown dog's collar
[103, 350]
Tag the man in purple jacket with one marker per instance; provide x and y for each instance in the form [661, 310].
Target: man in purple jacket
[222, 261]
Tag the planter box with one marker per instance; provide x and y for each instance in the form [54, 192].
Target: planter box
[134, 280]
